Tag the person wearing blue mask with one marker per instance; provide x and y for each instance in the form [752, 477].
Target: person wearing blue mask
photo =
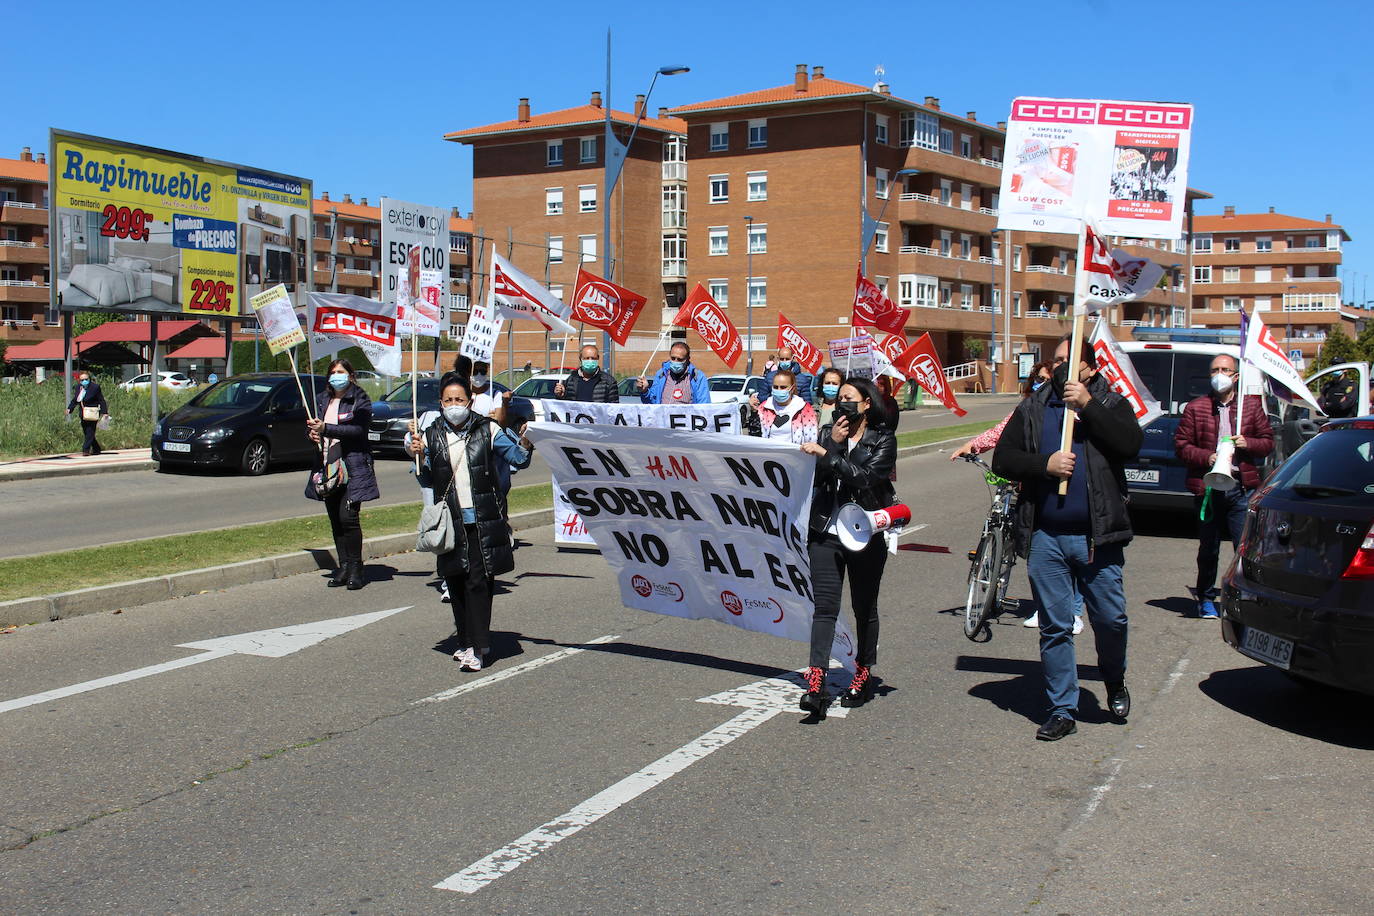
[343, 478]
[678, 382]
[831, 379]
[588, 382]
[805, 380]
[783, 415]
[91, 402]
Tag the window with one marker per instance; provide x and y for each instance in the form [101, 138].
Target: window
[758, 239]
[553, 153]
[946, 296]
[675, 207]
[881, 283]
[966, 199]
[996, 299]
[996, 251]
[720, 291]
[586, 198]
[758, 133]
[758, 292]
[965, 246]
[906, 290]
[459, 241]
[1333, 237]
[946, 141]
[1264, 274]
[1230, 304]
[720, 189]
[1016, 303]
[556, 290]
[966, 146]
[1264, 244]
[907, 129]
[880, 183]
[675, 255]
[966, 296]
[1231, 245]
[719, 237]
[1313, 241]
[946, 240]
[880, 238]
[927, 291]
[946, 191]
[587, 149]
[927, 130]
[720, 137]
[1262, 303]
[1202, 243]
[1230, 275]
[587, 245]
[880, 123]
[553, 201]
[1064, 258]
[675, 159]
[758, 185]
[1202, 273]
[555, 249]
[1016, 257]
[9, 313]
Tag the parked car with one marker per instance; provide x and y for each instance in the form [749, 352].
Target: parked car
[629, 391]
[248, 421]
[168, 381]
[1297, 423]
[537, 387]
[735, 389]
[1300, 594]
[391, 415]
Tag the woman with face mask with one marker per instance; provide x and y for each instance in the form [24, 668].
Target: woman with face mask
[855, 456]
[88, 396]
[784, 414]
[986, 441]
[461, 452]
[831, 379]
[343, 412]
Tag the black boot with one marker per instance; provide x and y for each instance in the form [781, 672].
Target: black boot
[340, 575]
[815, 700]
[356, 580]
[860, 689]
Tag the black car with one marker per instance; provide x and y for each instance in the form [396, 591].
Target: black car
[246, 421]
[1300, 594]
[391, 415]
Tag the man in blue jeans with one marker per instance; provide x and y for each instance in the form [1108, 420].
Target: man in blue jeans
[1075, 542]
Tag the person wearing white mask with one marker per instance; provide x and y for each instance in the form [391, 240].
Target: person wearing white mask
[784, 414]
[343, 413]
[1208, 421]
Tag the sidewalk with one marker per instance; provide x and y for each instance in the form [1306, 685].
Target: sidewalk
[129, 459]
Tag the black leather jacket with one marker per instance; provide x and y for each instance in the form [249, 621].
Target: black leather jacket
[486, 498]
[862, 475]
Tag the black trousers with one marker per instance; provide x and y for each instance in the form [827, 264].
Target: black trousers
[829, 561]
[470, 594]
[343, 522]
[1225, 519]
[88, 444]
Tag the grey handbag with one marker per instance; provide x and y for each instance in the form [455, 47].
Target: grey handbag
[436, 534]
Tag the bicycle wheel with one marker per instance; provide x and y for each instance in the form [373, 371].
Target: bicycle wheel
[982, 585]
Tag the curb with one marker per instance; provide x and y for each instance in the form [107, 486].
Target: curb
[77, 471]
[102, 598]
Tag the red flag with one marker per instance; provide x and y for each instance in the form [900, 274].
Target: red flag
[806, 352]
[892, 346]
[602, 304]
[919, 363]
[872, 308]
[701, 313]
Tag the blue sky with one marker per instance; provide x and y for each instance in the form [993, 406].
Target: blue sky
[357, 95]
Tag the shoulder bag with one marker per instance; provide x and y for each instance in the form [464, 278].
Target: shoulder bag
[435, 532]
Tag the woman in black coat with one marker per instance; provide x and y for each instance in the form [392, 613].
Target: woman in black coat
[88, 394]
[343, 413]
[855, 458]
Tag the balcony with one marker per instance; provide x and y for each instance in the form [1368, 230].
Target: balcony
[23, 213]
[923, 208]
[674, 171]
[929, 261]
[32, 291]
[1278, 256]
[987, 172]
[1040, 276]
[12, 252]
[357, 248]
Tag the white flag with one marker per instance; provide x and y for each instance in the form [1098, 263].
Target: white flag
[1260, 350]
[518, 296]
[339, 320]
[1115, 275]
[1117, 368]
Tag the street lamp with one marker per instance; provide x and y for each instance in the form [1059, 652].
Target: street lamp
[614, 162]
[870, 226]
[748, 291]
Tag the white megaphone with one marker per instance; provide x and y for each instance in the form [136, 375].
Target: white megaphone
[1220, 477]
[857, 525]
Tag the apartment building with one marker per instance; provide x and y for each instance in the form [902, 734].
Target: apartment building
[1284, 267]
[24, 315]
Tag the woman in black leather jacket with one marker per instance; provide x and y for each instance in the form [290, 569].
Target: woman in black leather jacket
[855, 459]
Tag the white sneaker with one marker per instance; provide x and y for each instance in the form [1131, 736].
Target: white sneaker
[467, 660]
[443, 595]
[1077, 625]
[1032, 621]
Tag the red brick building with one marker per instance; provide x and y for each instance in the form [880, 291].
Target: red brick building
[24, 250]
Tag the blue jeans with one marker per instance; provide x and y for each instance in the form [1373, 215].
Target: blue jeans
[1063, 575]
[1225, 518]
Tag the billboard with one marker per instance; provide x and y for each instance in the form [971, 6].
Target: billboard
[137, 229]
[1122, 164]
[408, 227]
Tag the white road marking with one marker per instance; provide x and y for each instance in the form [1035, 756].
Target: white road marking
[1099, 791]
[503, 673]
[779, 693]
[486, 870]
[1174, 675]
[266, 643]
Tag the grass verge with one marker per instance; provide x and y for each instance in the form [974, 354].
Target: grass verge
[68, 570]
[940, 434]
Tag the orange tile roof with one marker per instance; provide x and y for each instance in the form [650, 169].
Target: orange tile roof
[819, 88]
[1258, 222]
[460, 224]
[357, 211]
[25, 171]
[568, 117]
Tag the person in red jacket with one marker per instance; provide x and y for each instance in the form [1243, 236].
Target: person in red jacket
[1206, 421]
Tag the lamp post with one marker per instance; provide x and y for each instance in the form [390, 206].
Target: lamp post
[870, 226]
[748, 290]
[614, 161]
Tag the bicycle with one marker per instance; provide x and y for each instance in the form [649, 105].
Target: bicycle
[995, 555]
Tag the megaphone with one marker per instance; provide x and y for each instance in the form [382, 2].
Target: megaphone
[1220, 477]
[857, 525]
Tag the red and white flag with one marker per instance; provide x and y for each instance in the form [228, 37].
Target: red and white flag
[701, 313]
[919, 363]
[339, 320]
[1116, 367]
[1113, 275]
[517, 295]
[806, 352]
[873, 309]
[892, 347]
[1259, 349]
[602, 304]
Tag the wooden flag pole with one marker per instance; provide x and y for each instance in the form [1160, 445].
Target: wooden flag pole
[1080, 306]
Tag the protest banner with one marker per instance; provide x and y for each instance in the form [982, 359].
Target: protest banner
[695, 525]
[701, 313]
[853, 355]
[482, 330]
[1116, 367]
[278, 320]
[516, 295]
[873, 309]
[602, 304]
[339, 320]
[423, 230]
[721, 419]
[920, 363]
[1114, 275]
[807, 353]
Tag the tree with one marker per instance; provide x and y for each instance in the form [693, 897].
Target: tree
[1338, 348]
[974, 347]
[1365, 342]
[85, 321]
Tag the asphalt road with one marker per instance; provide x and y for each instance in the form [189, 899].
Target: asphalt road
[38, 516]
[321, 782]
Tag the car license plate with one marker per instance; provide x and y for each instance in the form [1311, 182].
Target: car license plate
[374, 437]
[176, 446]
[1142, 475]
[1267, 648]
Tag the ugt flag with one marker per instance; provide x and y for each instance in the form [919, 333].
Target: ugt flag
[518, 296]
[1113, 275]
[604, 305]
[1116, 367]
[807, 353]
[919, 363]
[873, 309]
[701, 314]
[1259, 349]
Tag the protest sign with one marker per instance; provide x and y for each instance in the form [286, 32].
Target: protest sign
[602, 304]
[696, 525]
[1116, 367]
[482, 330]
[339, 320]
[712, 418]
[420, 233]
[278, 320]
[853, 355]
[807, 353]
[701, 313]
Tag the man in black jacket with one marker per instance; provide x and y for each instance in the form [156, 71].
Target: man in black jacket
[588, 382]
[1075, 543]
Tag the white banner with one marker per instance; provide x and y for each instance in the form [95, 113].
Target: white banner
[482, 330]
[1123, 163]
[1260, 350]
[406, 226]
[854, 355]
[338, 320]
[518, 295]
[1117, 368]
[696, 526]
[1115, 275]
[715, 418]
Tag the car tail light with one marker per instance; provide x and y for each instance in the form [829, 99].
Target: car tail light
[1362, 565]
